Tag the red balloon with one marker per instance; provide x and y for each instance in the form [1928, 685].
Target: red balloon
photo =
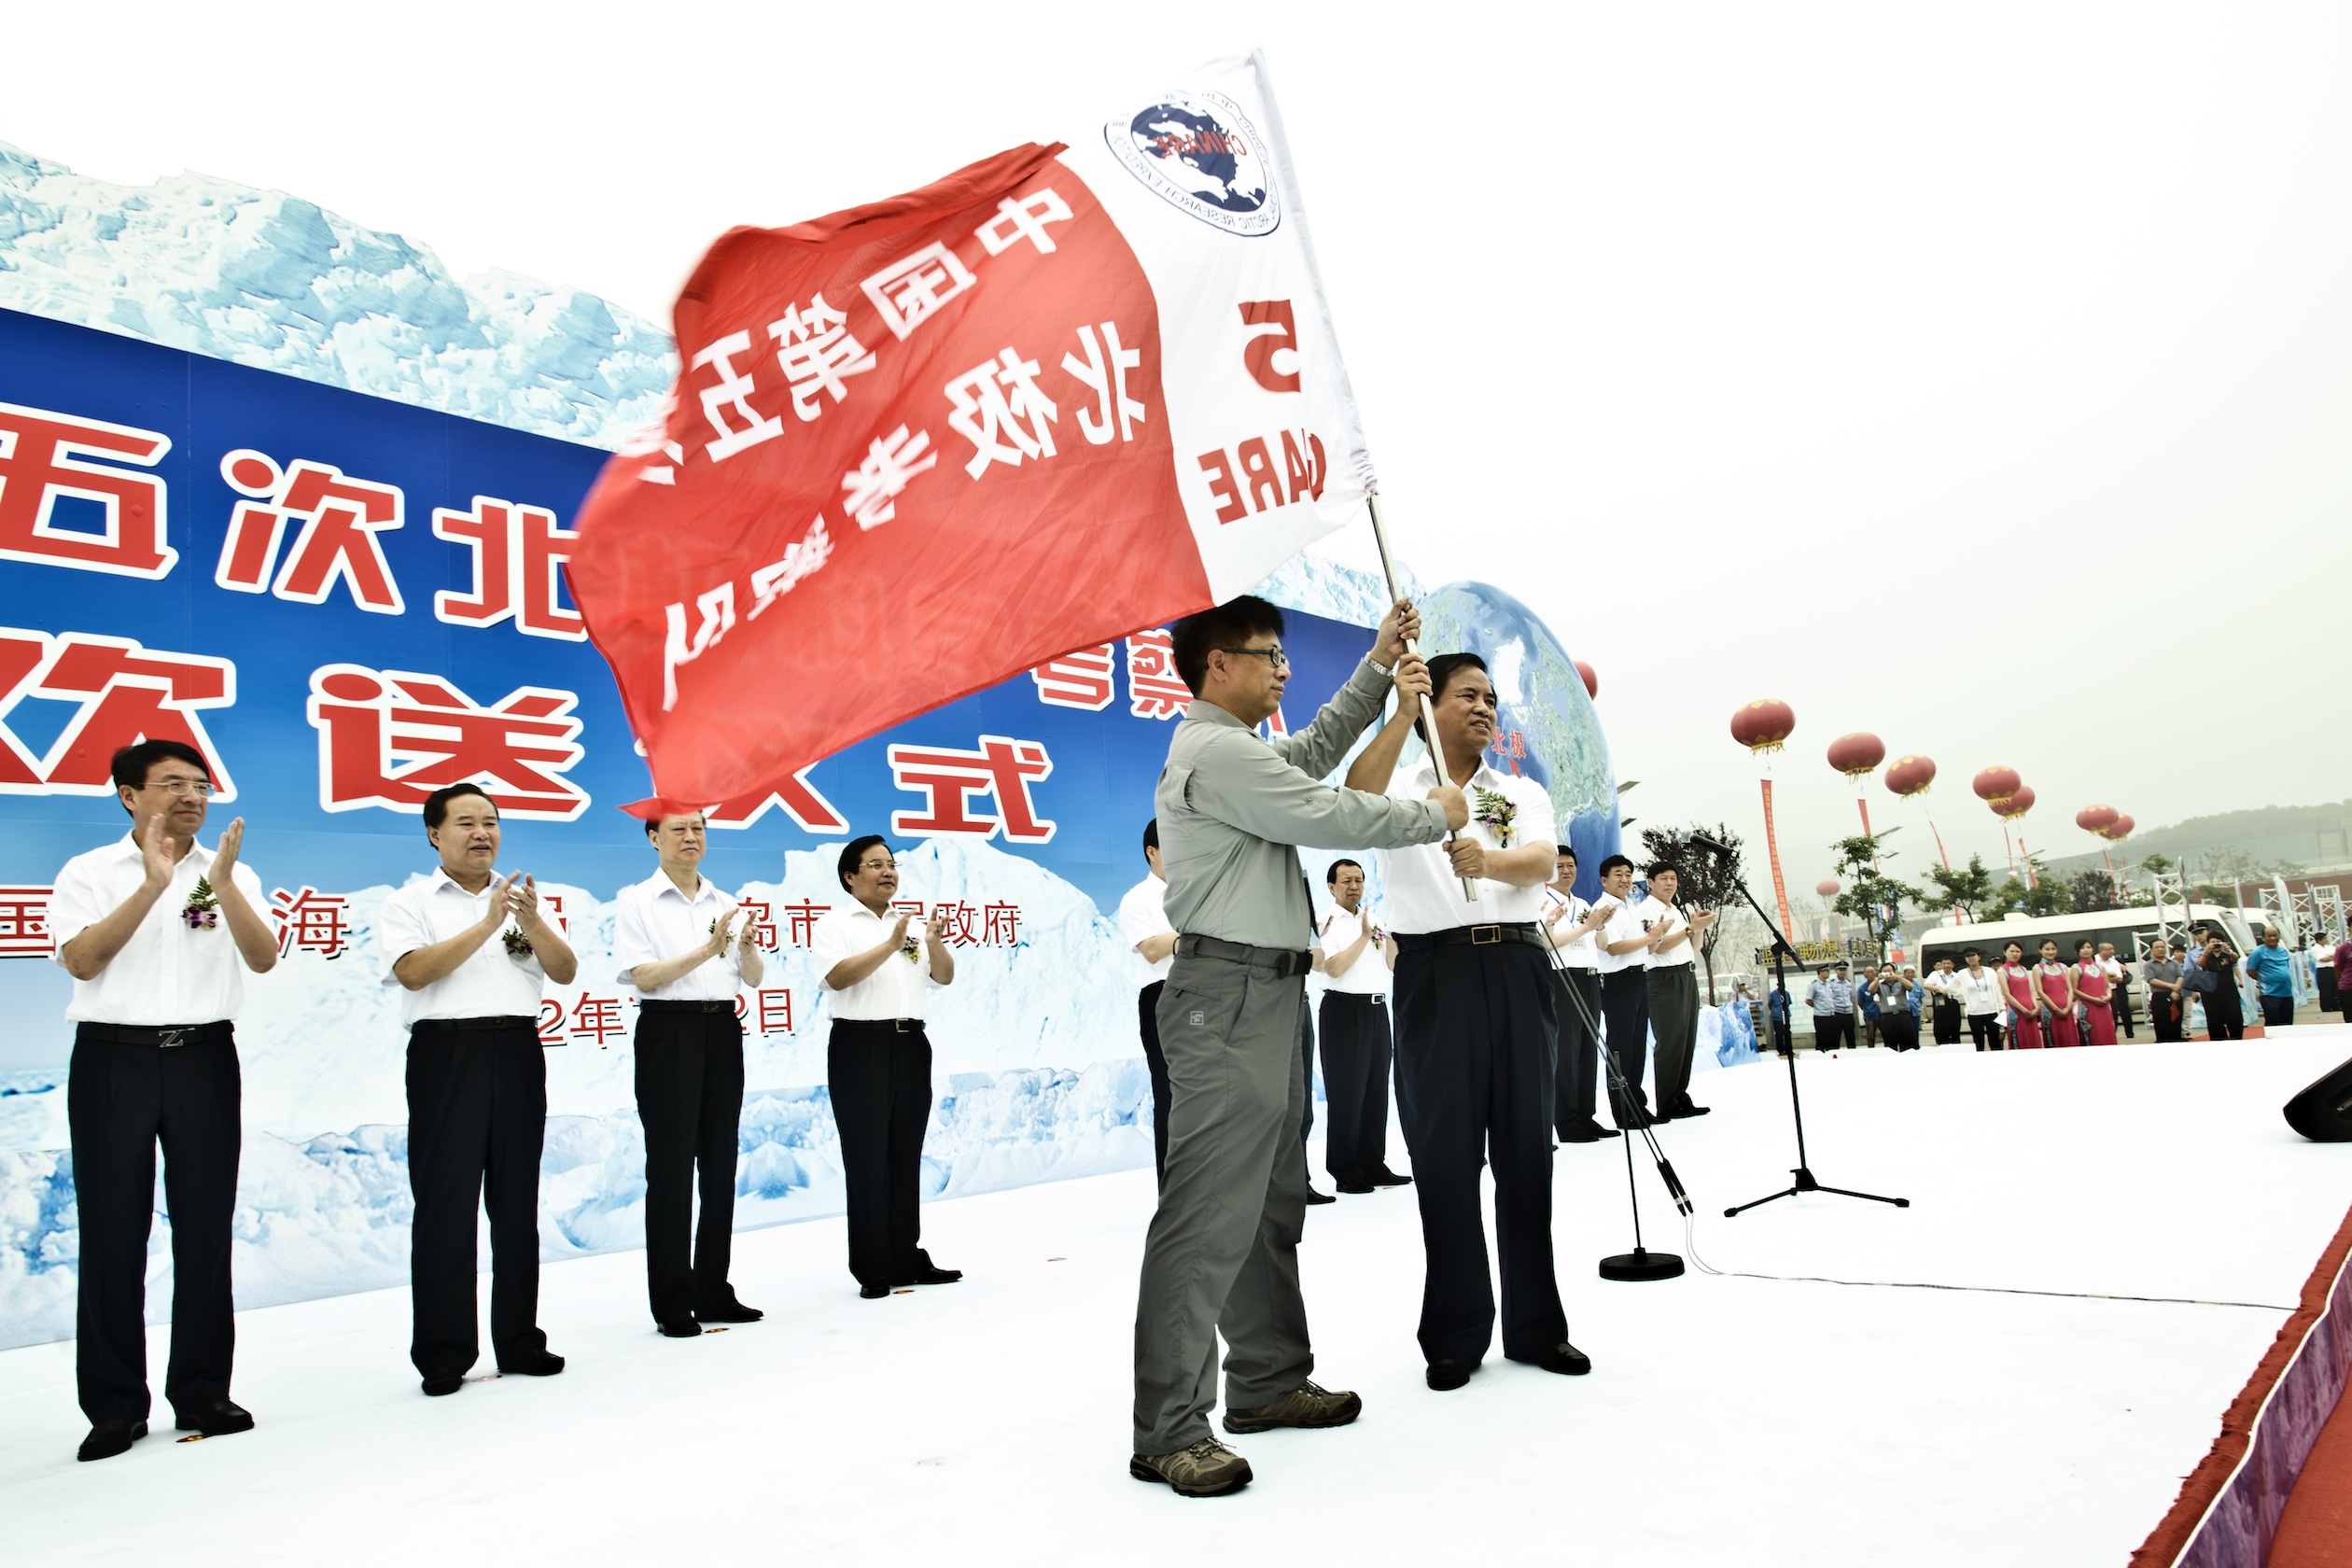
[2097, 819]
[1593, 681]
[1856, 754]
[2119, 830]
[1827, 886]
[2017, 805]
[1910, 774]
[1763, 725]
[1996, 785]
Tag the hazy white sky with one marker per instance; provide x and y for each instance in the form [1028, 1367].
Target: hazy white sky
[1978, 375]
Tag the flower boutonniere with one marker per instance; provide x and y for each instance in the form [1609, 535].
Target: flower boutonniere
[1372, 928]
[203, 909]
[517, 945]
[1497, 811]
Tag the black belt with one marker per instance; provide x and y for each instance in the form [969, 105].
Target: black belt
[1283, 962]
[165, 1034]
[882, 1026]
[659, 1004]
[1373, 999]
[467, 1026]
[1472, 936]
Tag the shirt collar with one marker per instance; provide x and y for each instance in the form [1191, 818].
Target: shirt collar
[1484, 772]
[1210, 713]
[127, 847]
[660, 883]
[442, 879]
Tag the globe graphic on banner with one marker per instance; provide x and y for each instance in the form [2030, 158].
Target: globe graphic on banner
[1219, 166]
[1542, 702]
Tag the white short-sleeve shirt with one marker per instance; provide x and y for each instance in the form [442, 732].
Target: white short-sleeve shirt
[1585, 951]
[1422, 892]
[169, 972]
[492, 983]
[1368, 975]
[1654, 912]
[656, 922]
[1624, 925]
[1143, 913]
[901, 988]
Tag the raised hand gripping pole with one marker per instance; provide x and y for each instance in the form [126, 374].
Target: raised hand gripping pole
[1429, 713]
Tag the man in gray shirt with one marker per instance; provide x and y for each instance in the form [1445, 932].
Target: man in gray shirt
[1221, 1253]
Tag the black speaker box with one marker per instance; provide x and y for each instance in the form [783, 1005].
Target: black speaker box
[2323, 1113]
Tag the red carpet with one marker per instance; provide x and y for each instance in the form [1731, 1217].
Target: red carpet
[2316, 1530]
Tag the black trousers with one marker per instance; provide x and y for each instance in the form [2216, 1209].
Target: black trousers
[1833, 1031]
[880, 1080]
[1625, 1014]
[1900, 1030]
[2164, 1015]
[120, 1102]
[1947, 1021]
[2277, 1010]
[477, 1104]
[1984, 1030]
[2225, 1016]
[1674, 1017]
[1475, 1032]
[690, 1099]
[2123, 1014]
[1156, 1064]
[1355, 1065]
[1577, 1071]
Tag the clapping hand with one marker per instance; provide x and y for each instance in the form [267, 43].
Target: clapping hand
[225, 857]
[521, 901]
[154, 853]
[721, 935]
[936, 926]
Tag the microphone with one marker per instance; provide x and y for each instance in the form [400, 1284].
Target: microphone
[1700, 840]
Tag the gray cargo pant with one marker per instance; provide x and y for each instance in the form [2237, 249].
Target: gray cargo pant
[1221, 1255]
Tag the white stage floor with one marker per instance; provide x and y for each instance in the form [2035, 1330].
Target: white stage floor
[1727, 1420]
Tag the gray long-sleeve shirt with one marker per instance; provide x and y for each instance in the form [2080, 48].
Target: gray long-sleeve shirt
[1234, 807]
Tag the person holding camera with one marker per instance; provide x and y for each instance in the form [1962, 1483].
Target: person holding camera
[2212, 978]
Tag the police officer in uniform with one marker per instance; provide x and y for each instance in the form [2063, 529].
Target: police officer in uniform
[1477, 1014]
[156, 931]
[1221, 1256]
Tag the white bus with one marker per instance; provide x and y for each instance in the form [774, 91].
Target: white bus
[2130, 930]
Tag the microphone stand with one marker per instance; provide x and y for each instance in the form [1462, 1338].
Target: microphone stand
[1785, 1041]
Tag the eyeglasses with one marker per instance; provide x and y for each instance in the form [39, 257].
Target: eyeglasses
[183, 787]
[1274, 656]
[877, 865]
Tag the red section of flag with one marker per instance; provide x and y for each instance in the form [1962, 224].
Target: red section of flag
[915, 448]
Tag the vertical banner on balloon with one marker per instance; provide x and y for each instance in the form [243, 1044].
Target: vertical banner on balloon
[1771, 848]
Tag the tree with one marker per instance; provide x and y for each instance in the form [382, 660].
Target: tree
[1869, 894]
[1967, 893]
[1706, 880]
[2044, 896]
[2090, 891]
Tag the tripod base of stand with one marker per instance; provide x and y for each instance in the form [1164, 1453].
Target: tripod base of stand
[1639, 1264]
[1806, 1184]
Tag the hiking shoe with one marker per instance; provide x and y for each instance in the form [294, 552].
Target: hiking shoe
[1207, 1469]
[1304, 1406]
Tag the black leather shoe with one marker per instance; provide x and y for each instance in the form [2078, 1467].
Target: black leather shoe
[438, 1386]
[679, 1328]
[1611, 1133]
[1449, 1374]
[1388, 1178]
[732, 1313]
[109, 1438]
[1314, 1197]
[1562, 1358]
[1579, 1135]
[533, 1364]
[1689, 1110]
[217, 1419]
[1355, 1189]
[872, 1293]
[931, 1274]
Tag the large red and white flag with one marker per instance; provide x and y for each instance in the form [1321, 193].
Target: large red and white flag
[916, 447]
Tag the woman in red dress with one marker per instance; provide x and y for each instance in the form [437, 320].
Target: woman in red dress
[2024, 1011]
[2096, 994]
[2057, 983]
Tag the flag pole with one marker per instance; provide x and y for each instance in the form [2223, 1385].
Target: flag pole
[1412, 645]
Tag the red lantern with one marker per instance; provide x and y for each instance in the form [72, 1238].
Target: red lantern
[1996, 785]
[2017, 805]
[2097, 819]
[1762, 726]
[1827, 886]
[1856, 754]
[1593, 681]
[2118, 831]
[1910, 774]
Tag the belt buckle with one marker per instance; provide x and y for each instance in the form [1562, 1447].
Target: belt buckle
[173, 1037]
[1485, 936]
[904, 1026]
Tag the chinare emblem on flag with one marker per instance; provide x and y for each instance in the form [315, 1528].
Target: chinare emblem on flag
[1062, 395]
